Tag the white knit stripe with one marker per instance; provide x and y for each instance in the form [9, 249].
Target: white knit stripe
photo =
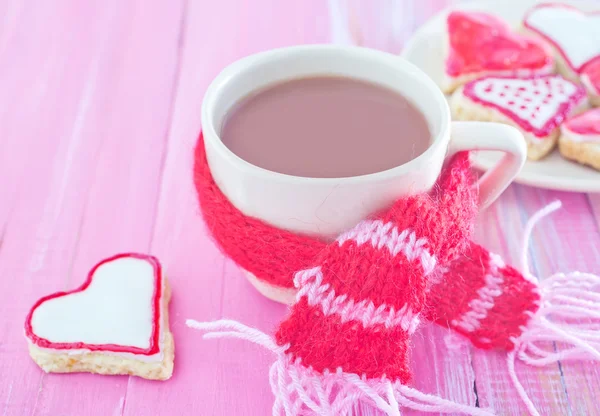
[310, 283]
[381, 234]
[479, 307]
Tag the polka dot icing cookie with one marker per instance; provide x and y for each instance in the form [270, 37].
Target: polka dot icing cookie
[115, 323]
[574, 35]
[580, 139]
[479, 44]
[536, 105]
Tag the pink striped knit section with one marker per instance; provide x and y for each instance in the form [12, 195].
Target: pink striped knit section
[386, 235]
[480, 306]
[317, 293]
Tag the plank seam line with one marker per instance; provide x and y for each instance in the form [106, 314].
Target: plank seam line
[472, 366]
[173, 100]
[534, 260]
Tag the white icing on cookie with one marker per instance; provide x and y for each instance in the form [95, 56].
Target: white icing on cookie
[576, 34]
[538, 105]
[116, 308]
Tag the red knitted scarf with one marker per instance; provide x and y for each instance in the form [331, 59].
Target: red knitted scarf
[479, 296]
[413, 259]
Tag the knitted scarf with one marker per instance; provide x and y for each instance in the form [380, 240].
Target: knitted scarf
[412, 260]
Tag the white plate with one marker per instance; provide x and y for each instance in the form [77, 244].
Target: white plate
[424, 49]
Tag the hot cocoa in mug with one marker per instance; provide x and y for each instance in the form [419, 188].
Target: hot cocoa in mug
[313, 139]
[326, 127]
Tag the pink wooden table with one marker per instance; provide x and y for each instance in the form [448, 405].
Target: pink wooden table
[99, 111]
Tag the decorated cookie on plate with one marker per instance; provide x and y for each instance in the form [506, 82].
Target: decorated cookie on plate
[536, 105]
[580, 138]
[590, 78]
[479, 44]
[573, 34]
[115, 323]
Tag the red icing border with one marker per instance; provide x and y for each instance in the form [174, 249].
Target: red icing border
[552, 41]
[154, 340]
[564, 109]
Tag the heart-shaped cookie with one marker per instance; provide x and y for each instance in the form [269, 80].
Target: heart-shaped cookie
[537, 105]
[575, 35]
[117, 318]
[480, 44]
[580, 139]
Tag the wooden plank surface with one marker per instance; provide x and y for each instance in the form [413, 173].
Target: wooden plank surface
[99, 113]
[83, 135]
[218, 377]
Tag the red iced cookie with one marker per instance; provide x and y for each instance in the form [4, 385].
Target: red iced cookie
[586, 125]
[480, 44]
[590, 77]
[580, 139]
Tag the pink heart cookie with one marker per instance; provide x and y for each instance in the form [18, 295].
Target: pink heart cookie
[580, 139]
[479, 44]
[574, 35]
[115, 323]
[536, 105]
[590, 78]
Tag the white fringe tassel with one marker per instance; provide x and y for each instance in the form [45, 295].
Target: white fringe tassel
[300, 390]
[567, 325]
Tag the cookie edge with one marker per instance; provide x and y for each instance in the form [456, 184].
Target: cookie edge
[584, 153]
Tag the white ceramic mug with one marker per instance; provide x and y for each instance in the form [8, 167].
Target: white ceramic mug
[328, 206]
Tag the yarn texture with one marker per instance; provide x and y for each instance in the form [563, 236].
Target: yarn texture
[484, 299]
[360, 297]
[357, 308]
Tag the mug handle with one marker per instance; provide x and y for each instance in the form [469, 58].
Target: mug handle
[478, 135]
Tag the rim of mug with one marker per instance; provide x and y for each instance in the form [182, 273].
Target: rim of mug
[245, 64]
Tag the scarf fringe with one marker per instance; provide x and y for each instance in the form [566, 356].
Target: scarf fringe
[567, 325]
[299, 390]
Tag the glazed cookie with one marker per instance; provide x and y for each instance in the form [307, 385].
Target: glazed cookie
[117, 322]
[479, 44]
[574, 35]
[590, 78]
[536, 105]
[580, 139]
